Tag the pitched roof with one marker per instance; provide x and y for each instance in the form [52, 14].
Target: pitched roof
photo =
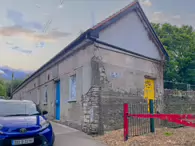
[114, 15]
[94, 31]
[121, 13]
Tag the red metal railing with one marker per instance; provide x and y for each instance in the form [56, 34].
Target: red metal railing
[175, 118]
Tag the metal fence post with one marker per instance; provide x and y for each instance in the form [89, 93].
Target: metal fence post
[126, 122]
[152, 128]
[188, 87]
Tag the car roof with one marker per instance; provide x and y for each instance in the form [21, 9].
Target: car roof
[16, 101]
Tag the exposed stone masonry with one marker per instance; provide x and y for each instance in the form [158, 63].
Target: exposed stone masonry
[103, 105]
[90, 104]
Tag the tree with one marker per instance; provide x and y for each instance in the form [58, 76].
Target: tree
[14, 84]
[2, 88]
[180, 45]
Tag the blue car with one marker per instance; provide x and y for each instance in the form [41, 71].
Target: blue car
[23, 124]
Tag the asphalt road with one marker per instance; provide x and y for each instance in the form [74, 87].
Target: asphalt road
[66, 136]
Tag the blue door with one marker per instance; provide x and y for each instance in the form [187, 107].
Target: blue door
[58, 100]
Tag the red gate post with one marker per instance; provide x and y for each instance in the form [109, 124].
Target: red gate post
[126, 121]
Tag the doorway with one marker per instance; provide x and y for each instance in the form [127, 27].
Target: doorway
[57, 102]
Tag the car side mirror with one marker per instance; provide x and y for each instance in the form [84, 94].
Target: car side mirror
[44, 112]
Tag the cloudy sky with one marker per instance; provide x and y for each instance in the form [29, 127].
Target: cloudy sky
[33, 31]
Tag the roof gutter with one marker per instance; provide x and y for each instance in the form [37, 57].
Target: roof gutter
[75, 44]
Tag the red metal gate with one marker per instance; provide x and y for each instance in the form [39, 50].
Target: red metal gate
[175, 118]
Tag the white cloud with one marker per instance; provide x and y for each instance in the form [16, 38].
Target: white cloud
[2, 72]
[147, 3]
[158, 17]
[176, 17]
[32, 35]
[38, 57]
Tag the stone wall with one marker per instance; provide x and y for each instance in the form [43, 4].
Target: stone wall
[179, 94]
[114, 96]
[174, 101]
[91, 103]
[91, 109]
[177, 101]
[103, 103]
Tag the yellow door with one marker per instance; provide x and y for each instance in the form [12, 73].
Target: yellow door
[148, 105]
[149, 90]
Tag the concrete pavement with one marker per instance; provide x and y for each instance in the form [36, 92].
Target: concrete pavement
[66, 136]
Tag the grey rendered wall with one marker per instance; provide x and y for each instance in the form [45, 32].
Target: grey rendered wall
[130, 33]
[127, 85]
[100, 97]
[71, 112]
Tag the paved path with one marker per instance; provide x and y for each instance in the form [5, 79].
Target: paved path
[66, 136]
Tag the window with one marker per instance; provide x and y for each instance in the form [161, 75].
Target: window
[45, 96]
[73, 88]
[48, 77]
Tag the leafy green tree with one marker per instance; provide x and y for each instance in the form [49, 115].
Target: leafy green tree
[180, 45]
[14, 84]
[2, 88]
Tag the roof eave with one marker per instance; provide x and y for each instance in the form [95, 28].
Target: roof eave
[76, 42]
[153, 32]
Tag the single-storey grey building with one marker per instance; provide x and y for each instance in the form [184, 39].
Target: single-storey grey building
[105, 66]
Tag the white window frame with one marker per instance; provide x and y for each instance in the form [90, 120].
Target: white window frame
[72, 88]
[45, 98]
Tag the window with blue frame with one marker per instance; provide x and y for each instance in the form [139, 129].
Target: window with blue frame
[73, 88]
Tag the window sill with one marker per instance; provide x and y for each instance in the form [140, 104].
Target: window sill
[72, 100]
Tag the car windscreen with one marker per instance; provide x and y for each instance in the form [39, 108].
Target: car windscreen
[18, 109]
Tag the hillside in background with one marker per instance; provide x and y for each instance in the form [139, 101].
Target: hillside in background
[6, 73]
